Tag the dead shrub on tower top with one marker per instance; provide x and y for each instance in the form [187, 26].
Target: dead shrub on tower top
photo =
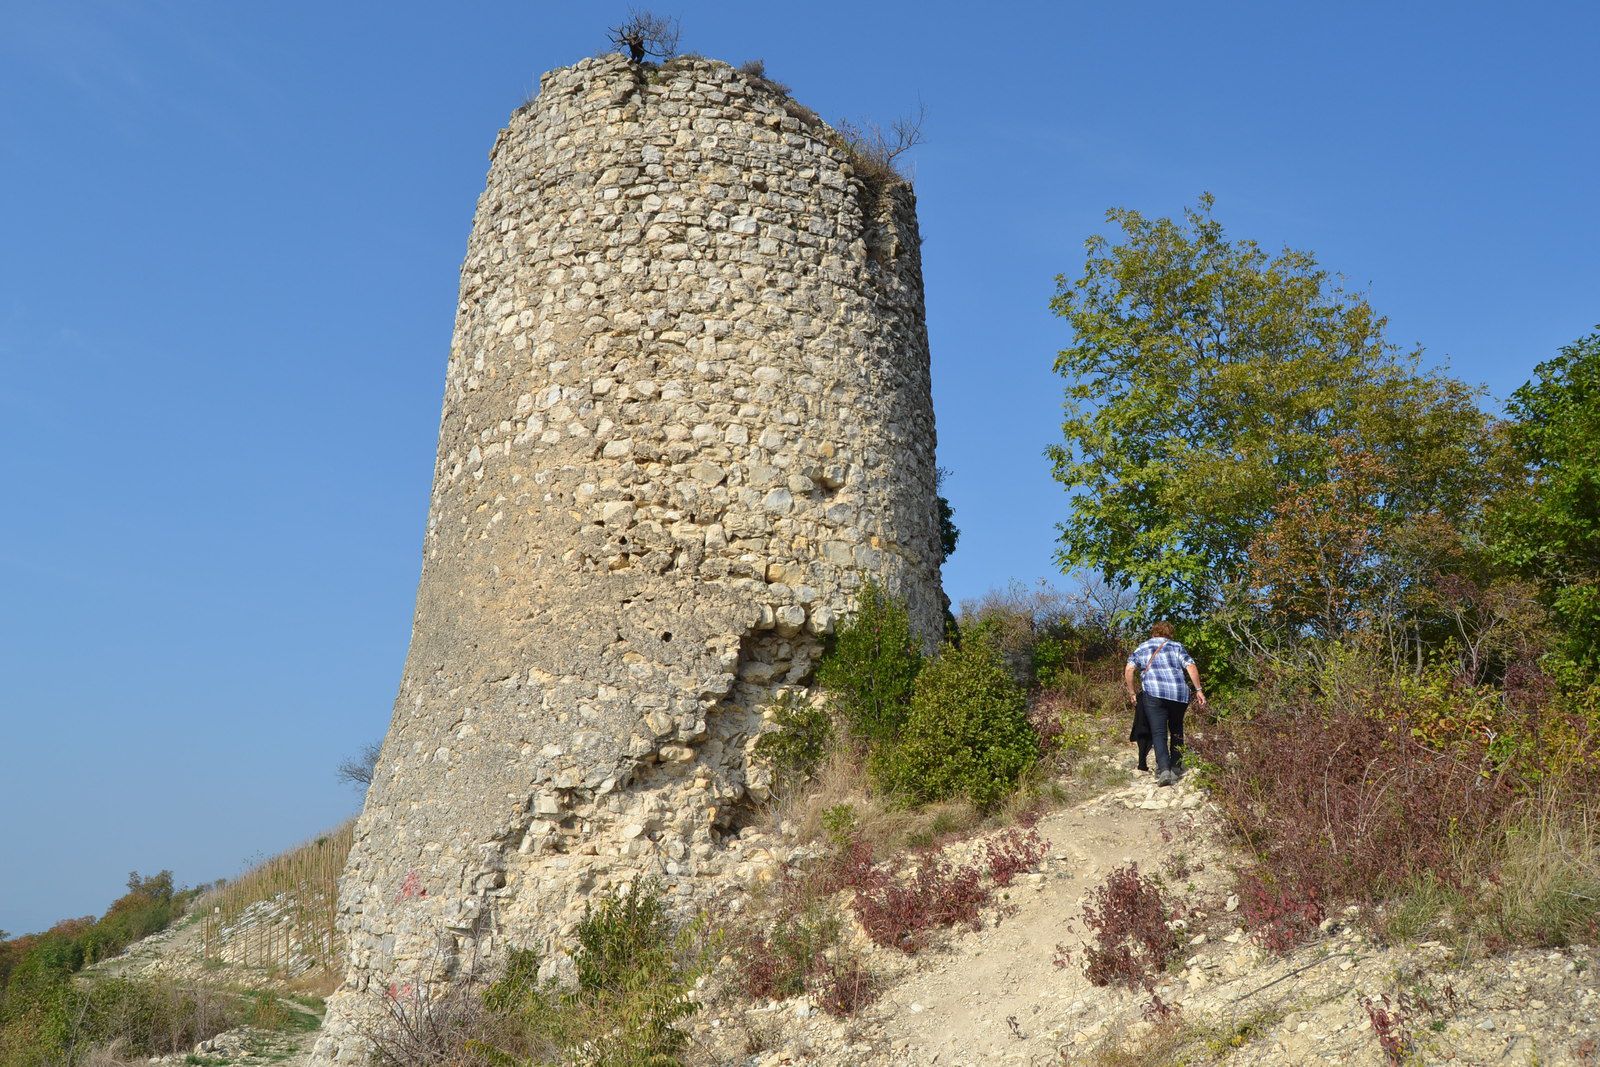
[756, 71]
[876, 150]
[646, 34]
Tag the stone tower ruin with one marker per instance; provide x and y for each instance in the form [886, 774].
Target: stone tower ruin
[687, 414]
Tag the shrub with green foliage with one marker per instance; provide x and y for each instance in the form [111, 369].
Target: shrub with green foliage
[1061, 725]
[800, 743]
[966, 733]
[635, 972]
[840, 823]
[1051, 662]
[43, 1013]
[149, 906]
[1046, 633]
[144, 1018]
[870, 667]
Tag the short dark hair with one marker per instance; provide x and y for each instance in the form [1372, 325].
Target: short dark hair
[1162, 629]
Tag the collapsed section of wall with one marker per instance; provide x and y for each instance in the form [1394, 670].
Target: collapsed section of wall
[687, 414]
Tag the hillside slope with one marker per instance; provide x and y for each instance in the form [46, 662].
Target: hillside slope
[998, 995]
[1014, 992]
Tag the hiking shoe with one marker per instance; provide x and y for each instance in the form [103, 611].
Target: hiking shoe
[1165, 778]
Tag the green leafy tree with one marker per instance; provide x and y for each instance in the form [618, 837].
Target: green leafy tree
[1209, 382]
[1547, 526]
[869, 670]
[949, 532]
[967, 733]
[1316, 567]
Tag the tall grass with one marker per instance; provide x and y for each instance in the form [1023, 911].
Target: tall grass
[304, 883]
[115, 1021]
[1547, 889]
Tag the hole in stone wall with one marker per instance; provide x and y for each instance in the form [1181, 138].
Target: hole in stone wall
[666, 635]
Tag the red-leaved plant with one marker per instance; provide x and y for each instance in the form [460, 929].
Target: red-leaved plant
[903, 914]
[1279, 917]
[1133, 942]
[1012, 852]
[1341, 802]
[801, 948]
[844, 986]
[1044, 715]
[1390, 1026]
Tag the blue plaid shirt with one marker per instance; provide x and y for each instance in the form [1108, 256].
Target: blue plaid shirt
[1161, 672]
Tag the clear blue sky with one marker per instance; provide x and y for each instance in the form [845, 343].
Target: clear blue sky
[229, 238]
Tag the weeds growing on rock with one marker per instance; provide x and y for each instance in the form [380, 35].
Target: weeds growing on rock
[802, 740]
[1391, 1026]
[635, 968]
[797, 943]
[844, 985]
[756, 70]
[777, 961]
[903, 911]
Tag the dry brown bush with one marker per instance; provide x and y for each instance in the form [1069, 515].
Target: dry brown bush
[111, 1055]
[841, 782]
[756, 71]
[877, 150]
[452, 1030]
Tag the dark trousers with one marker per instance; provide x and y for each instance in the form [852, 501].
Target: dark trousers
[1166, 721]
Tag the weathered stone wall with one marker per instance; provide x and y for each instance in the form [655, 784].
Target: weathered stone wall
[687, 413]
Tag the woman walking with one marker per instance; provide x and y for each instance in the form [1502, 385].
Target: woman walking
[1166, 671]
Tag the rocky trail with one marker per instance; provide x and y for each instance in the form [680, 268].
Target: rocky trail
[248, 1047]
[998, 995]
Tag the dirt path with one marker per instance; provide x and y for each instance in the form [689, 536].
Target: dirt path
[997, 996]
[248, 1048]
